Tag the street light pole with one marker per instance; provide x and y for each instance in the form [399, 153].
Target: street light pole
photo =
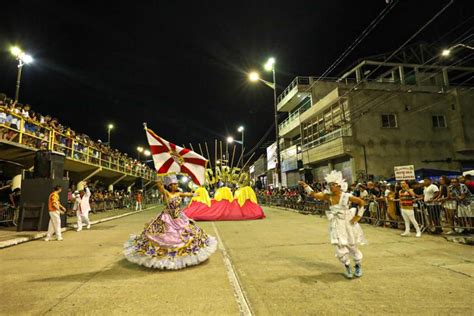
[242, 129]
[254, 76]
[277, 134]
[23, 59]
[109, 128]
[18, 79]
[242, 158]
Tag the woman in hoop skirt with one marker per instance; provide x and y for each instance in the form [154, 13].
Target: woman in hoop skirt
[170, 241]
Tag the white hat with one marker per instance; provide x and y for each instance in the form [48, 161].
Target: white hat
[171, 179]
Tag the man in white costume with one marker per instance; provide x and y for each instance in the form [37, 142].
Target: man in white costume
[344, 230]
[83, 207]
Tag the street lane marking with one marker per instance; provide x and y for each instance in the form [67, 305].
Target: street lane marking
[241, 298]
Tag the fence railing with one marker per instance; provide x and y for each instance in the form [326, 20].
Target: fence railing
[435, 217]
[327, 137]
[14, 128]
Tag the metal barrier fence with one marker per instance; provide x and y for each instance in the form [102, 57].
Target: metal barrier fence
[8, 214]
[107, 205]
[447, 217]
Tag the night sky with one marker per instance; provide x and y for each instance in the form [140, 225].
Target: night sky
[181, 66]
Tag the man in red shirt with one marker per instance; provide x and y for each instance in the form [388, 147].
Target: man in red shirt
[469, 183]
[138, 199]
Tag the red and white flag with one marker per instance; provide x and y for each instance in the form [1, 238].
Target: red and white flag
[169, 158]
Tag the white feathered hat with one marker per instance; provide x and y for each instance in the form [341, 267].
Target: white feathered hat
[170, 179]
[336, 177]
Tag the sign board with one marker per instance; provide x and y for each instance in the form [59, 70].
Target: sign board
[272, 156]
[289, 159]
[404, 172]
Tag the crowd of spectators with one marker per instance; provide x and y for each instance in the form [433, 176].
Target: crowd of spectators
[39, 131]
[441, 203]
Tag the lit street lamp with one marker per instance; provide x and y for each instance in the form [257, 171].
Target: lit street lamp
[147, 153]
[139, 150]
[446, 52]
[230, 140]
[23, 59]
[109, 128]
[254, 76]
[241, 129]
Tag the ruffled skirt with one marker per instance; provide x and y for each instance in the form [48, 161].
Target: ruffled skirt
[342, 232]
[170, 243]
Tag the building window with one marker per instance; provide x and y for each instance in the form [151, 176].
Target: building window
[389, 121]
[439, 121]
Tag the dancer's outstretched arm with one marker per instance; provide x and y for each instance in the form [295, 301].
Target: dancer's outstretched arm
[360, 211]
[319, 196]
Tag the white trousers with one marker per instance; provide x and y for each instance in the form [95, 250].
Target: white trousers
[80, 216]
[138, 205]
[343, 253]
[409, 216]
[54, 225]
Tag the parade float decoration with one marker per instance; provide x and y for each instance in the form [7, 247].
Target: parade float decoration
[220, 179]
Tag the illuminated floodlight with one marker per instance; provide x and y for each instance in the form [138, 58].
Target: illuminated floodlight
[16, 51]
[146, 152]
[446, 52]
[230, 139]
[254, 76]
[26, 58]
[270, 64]
[240, 129]
[140, 149]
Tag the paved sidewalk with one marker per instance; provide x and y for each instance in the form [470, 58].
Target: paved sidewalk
[10, 237]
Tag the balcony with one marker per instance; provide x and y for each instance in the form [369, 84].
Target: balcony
[290, 126]
[299, 88]
[325, 147]
[322, 104]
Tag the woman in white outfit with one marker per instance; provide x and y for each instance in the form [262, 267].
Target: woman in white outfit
[83, 208]
[344, 230]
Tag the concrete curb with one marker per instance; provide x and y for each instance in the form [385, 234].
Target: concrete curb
[20, 240]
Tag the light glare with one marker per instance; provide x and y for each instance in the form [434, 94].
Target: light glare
[241, 129]
[16, 51]
[147, 152]
[140, 149]
[446, 52]
[254, 76]
[27, 59]
[230, 139]
[111, 126]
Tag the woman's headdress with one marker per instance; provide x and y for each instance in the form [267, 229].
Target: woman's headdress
[336, 177]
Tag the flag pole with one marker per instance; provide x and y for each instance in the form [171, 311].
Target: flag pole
[241, 158]
[233, 154]
[207, 150]
[221, 151]
[245, 165]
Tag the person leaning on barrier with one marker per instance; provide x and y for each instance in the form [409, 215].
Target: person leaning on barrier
[449, 205]
[464, 199]
[430, 193]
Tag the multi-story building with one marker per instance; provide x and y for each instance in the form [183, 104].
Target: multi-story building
[377, 116]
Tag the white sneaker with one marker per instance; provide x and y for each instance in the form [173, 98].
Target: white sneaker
[59, 239]
[418, 234]
[89, 226]
[47, 239]
[405, 234]
[79, 229]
